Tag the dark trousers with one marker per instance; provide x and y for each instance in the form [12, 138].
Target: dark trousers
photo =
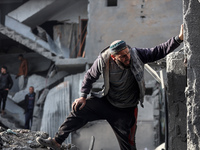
[28, 118]
[3, 97]
[123, 121]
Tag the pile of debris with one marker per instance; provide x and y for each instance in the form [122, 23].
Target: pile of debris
[22, 139]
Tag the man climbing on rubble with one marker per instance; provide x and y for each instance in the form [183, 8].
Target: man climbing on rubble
[122, 68]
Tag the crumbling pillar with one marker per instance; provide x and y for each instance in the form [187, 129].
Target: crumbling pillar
[176, 75]
[192, 49]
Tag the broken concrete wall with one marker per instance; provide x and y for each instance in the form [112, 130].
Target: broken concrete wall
[40, 11]
[66, 36]
[14, 117]
[72, 13]
[176, 73]
[31, 7]
[192, 48]
[38, 110]
[141, 23]
[56, 108]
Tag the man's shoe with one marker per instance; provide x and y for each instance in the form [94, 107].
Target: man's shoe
[48, 143]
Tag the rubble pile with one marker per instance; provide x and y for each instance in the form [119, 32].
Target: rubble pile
[23, 139]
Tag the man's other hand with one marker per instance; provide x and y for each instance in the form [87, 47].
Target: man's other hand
[181, 33]
[80, 102]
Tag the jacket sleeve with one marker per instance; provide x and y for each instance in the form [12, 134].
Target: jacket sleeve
[10, 82]
[153, 54]
[90, 77]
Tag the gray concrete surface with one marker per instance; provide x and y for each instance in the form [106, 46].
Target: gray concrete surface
[192, 46]
[176, 73]
[139, 23]
[38, 109]
[72, 65]
[39, 11]
[56, 108]
[72, 13]
[34, 6]
[14, 117]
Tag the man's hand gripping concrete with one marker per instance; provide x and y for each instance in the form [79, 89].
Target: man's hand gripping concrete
[80, 102]
[181, 33]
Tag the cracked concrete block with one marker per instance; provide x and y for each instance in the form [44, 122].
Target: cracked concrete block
[176, 74]
[192, 46]
[42, 97]
[156, 112]
[57, 103]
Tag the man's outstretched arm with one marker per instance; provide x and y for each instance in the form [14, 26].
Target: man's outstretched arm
[153, 54]
[90, 77]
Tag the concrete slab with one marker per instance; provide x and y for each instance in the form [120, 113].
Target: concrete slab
[56, 108]
[103, 133]
[105, 137]
[16, 111]
[71, 65]
[33, 8]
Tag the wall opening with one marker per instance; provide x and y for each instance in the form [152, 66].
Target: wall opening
[81, 52]
[111, 3]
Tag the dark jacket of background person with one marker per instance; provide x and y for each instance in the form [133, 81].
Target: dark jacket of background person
[5, 81]
[28, 104]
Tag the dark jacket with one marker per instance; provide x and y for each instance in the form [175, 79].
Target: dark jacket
[5, 81]
[27, 102]
[146, 55]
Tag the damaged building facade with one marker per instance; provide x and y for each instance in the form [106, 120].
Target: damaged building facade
[61, 39]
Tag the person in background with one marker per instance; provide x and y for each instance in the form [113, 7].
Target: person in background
[23, 71]
[6, 84]
[29, 106]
